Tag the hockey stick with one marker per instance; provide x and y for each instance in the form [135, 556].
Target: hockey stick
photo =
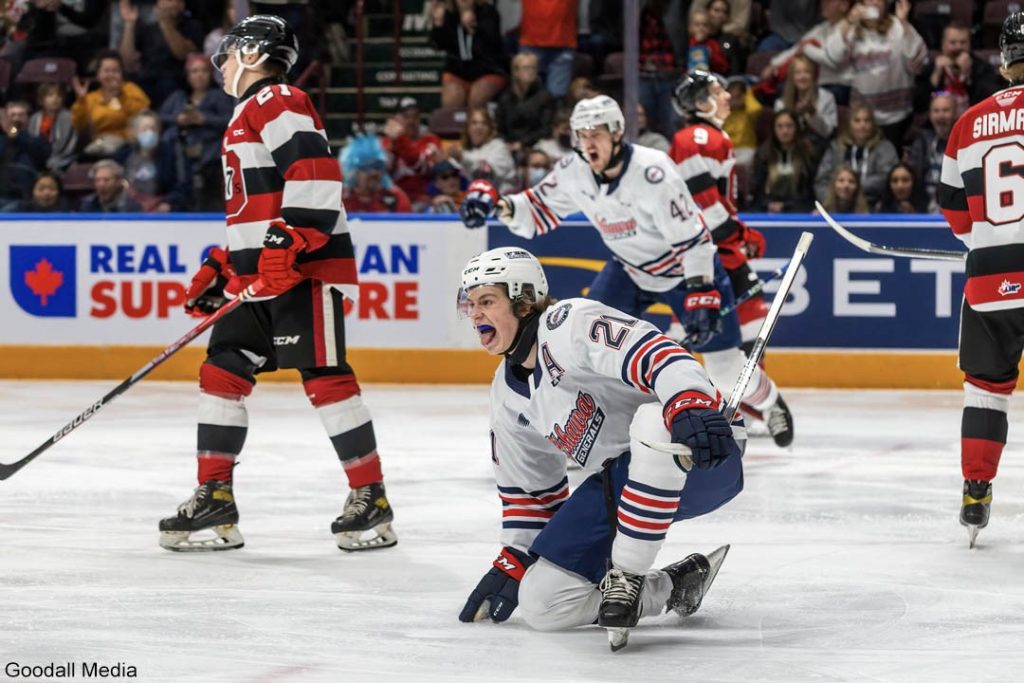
[7, 470]
[681, 451]
[744, 297]
[872, 248]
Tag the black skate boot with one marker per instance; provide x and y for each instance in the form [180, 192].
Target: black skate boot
[780, 423]
[365, 524]
[211, 508]
[620, 605]
[691, 579]
[975, 509]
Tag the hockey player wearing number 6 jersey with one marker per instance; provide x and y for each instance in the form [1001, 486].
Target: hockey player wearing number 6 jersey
[662, 249]
[290, 249]
[585, 381]
[981, 193]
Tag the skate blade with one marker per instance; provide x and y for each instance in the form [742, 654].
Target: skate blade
[972, 535]
[225, 537]
[715, 560]
[618, 638]
[380, 536]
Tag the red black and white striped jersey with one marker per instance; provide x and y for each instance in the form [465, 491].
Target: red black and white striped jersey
[279, 167]
[981, 193]
[646, 216]
[707, 162]
[595, 367]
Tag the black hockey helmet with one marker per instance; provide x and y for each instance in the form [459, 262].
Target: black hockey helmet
[693, 89]
[1011, 39]
[262, 34]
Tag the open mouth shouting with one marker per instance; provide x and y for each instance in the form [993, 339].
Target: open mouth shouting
[487, 334]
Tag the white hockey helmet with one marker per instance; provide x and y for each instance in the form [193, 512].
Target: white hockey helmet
[516, 268]
[593, 112]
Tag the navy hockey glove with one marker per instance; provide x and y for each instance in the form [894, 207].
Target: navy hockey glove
[479, 203]
[499, 588]
[693, 419]
[703, 306]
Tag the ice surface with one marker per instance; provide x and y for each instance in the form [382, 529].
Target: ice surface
[847, 560]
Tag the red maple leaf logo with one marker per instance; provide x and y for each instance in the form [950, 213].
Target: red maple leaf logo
[44, 281]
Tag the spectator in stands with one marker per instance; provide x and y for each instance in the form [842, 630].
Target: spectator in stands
[22, 154]
[194, 120]
[861, 147]
[741, 124]
[149, 168]
[788, 21]
[536, 165]
[719, 14]
[525, 109]
[212, 40]
[886, 53]
[548, 29]
[783, 168]
[448, 187]
[813, 105]
[958, 71]
[647, 137]
[413, 150]
[705, 52]
[53, 123]
[47, 197]
[483, 154]
[658, 70]
[102, 115]
[157, 51]
[929, 146]
[844, 193]
[559, 141]
[368, 188]
[52, 28]
[902, 193]
[580, 89]
[111, 195]
[733, 18]
[834, 78]
[475, 67]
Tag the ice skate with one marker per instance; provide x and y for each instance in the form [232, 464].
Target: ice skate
[691, 579]
[205, 522]
[780, 423]
[975, 509]
[620, 605]
[365, 524]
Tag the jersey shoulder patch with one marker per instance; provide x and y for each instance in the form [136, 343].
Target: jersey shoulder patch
[654, 174]
[558, 315]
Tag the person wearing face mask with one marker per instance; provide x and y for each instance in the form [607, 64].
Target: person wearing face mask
[150, 169]
[482, 152]
[537, 165]
[559, 141]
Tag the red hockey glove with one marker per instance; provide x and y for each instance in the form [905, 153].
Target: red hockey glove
[205, 294]
[281, 245]
[753, 243]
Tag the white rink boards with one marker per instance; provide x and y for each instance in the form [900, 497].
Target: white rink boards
[847, 561]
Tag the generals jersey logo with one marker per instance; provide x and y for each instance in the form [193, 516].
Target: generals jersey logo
[577, 437]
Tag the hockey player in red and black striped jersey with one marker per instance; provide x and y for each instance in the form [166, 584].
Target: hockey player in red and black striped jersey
[290, 250]
[981, 193]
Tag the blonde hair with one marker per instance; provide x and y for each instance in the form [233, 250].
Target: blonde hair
[491, 127]
[846, 136]
[832, 202]
[522, 57]
[1013, 73]
[789, 93]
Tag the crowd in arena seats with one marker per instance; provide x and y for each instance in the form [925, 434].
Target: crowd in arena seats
[848, 103]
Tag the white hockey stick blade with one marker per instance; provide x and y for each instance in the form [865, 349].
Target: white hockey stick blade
[872, 248]
[768, 324]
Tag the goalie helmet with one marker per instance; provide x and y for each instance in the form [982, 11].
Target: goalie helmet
[1011, 39]
[268, 36]
[516, 268]
[593, 112]
[694, 89]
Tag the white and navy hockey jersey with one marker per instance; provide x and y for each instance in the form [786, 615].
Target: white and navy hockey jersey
[595, 367]
[646, 216]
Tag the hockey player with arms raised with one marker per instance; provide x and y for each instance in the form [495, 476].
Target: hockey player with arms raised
[662, 250]
[290, 251]
[707, 161]
[585, 381]
[981, 193]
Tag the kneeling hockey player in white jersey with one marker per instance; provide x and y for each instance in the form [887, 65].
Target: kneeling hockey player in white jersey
[588, 382]
[663, 252]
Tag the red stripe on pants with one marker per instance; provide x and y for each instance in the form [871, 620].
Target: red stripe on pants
[319, 350]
